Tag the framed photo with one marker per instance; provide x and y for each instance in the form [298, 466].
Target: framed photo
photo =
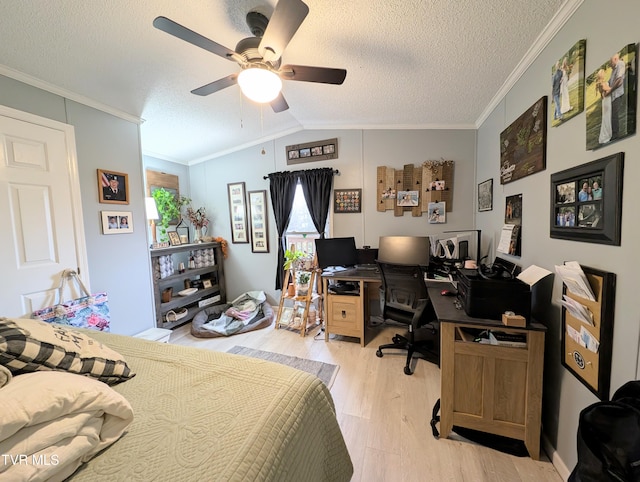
[113, 187]
[169, 182]
[586, 201]
[347, 200]
[437, 212]
[407, 198]
[485, 195]
[587, 344]
[206, 283]
[312, 151]
[567, 84]
[174, 238]
[523, 145]
[259, 221]
[238, 212]
[116, 222]
[611, 99]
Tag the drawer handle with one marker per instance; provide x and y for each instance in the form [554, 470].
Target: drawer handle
[344, 314]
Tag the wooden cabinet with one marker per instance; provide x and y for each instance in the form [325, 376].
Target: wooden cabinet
[490, 388]
[345, 312]
[208, 277]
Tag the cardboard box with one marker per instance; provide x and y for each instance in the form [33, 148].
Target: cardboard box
[514, 320]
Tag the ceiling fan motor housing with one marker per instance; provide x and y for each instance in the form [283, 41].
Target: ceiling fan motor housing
[247, 48]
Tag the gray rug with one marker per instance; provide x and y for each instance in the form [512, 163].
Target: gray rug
[324, 371]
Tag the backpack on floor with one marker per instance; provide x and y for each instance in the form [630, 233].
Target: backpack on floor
[609, 438]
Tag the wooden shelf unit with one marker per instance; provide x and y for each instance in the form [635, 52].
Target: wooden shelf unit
[176, 281]
[300, 305]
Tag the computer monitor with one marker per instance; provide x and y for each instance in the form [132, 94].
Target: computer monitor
[334, 252]
[404, 250]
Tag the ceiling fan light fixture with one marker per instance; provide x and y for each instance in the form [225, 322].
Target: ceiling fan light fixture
[259, 84]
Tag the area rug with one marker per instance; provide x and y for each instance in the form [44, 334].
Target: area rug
[324, 371]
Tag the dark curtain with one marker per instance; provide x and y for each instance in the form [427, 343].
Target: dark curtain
[316, 186]
[282, 189]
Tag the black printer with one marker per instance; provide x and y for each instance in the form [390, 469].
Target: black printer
[490, 293]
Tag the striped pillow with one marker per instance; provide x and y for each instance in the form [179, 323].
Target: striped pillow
[28, 345]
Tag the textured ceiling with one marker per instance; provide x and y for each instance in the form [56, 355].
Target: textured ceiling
[410, 63]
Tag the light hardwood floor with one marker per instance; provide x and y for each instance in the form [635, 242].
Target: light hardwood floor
[384, 414]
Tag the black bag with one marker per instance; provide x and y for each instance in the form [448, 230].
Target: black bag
[609, 438]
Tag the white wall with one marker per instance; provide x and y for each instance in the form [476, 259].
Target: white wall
[606, 31]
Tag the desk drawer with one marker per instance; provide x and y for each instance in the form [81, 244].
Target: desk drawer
[345, 312]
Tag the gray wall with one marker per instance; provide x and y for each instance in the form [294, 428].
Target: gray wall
[360, 153]
[564, 396]
[118, 264]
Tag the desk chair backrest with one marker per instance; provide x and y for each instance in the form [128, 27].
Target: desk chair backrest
[404, 293]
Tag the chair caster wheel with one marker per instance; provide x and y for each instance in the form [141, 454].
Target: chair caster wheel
[407, 371]
[379, 353]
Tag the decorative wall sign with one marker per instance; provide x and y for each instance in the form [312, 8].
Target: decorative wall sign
[586, 201]
[312, 151]
[567, 84]
[113, 187]
[347, 200]
[587, 346]
[259, 222]
[611, 99]
[485, 195]
[238, 212]
[116, 222]
[523, 145]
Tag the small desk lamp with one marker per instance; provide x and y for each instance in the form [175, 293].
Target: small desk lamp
[152, 215]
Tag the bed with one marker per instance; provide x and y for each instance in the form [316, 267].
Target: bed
[206, 415]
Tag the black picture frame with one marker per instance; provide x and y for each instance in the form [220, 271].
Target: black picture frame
[259, 221]
[578, 212]
[238, 212]
[485, 195]
[347, 200]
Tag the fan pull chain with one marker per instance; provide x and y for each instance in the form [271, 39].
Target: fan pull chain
[241, 110]
[263, 152]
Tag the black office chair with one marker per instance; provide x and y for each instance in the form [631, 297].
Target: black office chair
[405, 300]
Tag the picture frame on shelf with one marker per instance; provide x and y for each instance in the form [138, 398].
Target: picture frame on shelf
[206, 283]
[485, 195]
[586, 201]
[238, 212]
[259, 221]
[174, 238]
[113, 187]
[116, 222]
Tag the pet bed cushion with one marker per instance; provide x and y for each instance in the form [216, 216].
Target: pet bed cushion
[263, 319]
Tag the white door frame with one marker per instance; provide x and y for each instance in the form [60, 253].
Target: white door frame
[74, 180]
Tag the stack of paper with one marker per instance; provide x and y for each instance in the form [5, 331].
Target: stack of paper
[577, 310]
[575, 280]
[533, 274]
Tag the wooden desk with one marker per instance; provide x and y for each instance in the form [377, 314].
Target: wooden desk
[345, 313]
[494, 389]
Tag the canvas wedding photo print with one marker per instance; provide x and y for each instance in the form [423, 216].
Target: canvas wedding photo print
[611, 99]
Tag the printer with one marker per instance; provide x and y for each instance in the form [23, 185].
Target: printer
[490, 293]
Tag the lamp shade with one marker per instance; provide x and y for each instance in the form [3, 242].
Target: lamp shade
[259, 84]
[151, 209]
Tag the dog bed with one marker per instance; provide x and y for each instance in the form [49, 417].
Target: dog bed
[263, 319]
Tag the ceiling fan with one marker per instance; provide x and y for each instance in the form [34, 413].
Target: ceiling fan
[260, 56]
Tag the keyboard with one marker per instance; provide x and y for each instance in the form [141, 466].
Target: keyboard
[366, 267]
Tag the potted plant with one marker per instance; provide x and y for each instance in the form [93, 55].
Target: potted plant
[302, 283]
[168, 205]
[291, 258]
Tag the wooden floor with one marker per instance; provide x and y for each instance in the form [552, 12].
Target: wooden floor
[384, 414]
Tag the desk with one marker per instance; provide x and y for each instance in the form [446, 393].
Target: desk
[345, 313]
[494, 389]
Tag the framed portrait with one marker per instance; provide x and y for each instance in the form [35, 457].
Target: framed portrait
[116, 222]
[113, 187]
[238, 212]
[258, 221]
[206, 283]
[523, 145]
[485, 195]
[586, 201]
[174, 238]
[611, 99]
[347, 200]
[567, 84]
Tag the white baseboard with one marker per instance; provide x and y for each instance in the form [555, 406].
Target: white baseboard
[553, 455]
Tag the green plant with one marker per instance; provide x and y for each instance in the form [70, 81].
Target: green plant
[168, 205]
[291, 256]
[303, 277]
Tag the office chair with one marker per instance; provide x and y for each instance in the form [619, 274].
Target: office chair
[405, 300]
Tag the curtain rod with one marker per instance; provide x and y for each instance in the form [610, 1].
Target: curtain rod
[335, 171]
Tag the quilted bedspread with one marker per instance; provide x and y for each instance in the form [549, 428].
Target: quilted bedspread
[206, 415]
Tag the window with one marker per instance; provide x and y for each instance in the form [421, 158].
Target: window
[301, 232]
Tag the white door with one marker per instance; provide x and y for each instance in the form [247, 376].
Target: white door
[40, 211]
